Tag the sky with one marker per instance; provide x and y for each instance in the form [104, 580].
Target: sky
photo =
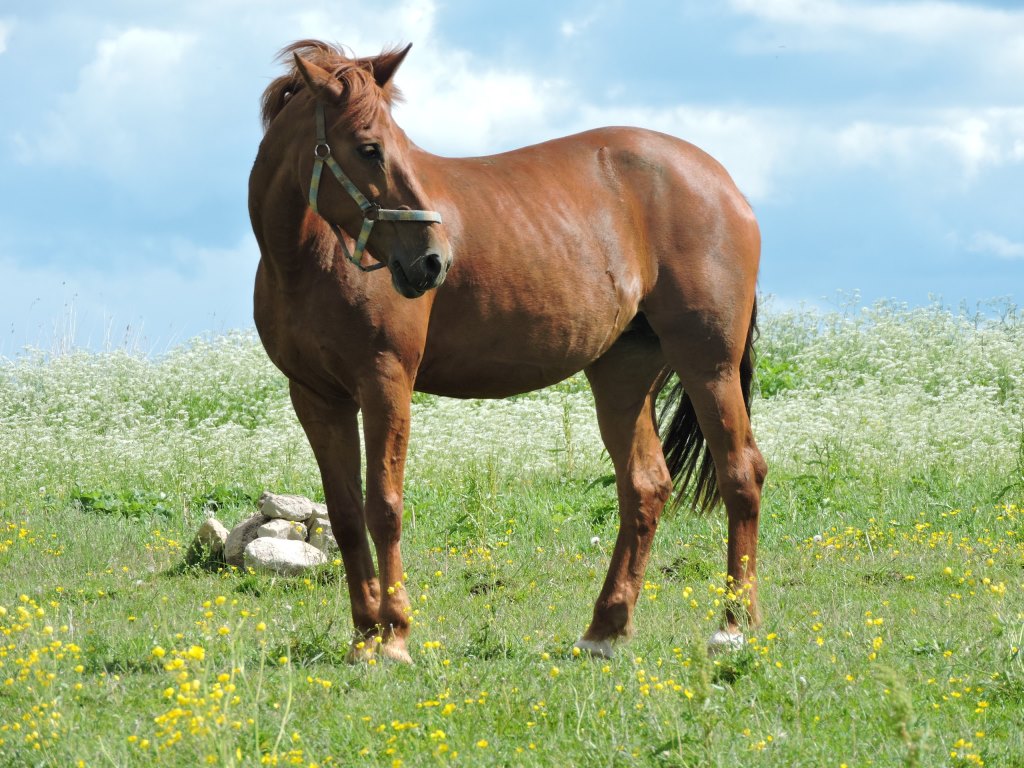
[880, 143]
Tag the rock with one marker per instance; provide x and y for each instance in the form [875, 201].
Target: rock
[319, 518]
[239, 539]
[284, 506]
[282, 529]
[208, 543]
[283, 557]
[321, 536]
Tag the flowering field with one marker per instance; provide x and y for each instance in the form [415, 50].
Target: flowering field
[892, 570]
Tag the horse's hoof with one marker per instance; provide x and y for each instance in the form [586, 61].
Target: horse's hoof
[360, 652]
[395, 652]
[600, 649]
[723, 641]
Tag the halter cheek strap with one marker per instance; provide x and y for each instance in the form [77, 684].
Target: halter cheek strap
[371, 211]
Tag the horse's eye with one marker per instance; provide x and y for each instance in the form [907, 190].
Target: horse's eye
[370, 151]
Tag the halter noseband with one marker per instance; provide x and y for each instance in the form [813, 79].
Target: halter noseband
[371, 211]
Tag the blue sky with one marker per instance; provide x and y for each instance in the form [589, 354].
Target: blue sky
[881, 143]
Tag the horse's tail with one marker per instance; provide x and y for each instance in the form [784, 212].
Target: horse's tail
[686, 452]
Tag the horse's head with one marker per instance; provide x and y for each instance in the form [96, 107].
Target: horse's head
[378, 200]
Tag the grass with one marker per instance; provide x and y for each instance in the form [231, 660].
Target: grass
[892, 570]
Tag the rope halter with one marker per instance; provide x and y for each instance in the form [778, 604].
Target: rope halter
[372, 212]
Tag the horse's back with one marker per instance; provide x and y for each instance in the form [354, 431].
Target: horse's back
[660, 196]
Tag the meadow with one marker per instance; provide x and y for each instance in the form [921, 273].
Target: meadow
[892, 569]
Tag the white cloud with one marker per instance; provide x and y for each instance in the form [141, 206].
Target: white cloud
[931, 22]
[163, 98]
[127, 110]
[575, 27]
[5, 30]
[359, 27]
[457, 107]
[985, 40]
[974, 52]
[1007, 60]
[989, 242]
[973, 139]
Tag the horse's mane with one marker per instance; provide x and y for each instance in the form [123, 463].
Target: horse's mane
[363, 96]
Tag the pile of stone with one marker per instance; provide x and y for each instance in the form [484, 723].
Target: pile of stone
[287, 537]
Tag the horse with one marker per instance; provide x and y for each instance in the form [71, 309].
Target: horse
[625, 253]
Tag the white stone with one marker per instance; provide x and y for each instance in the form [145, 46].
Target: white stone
[282, 529]
[211, 537]
[239, 539]
[283, 506]
[208, 543]
[282, 557]
[321, 534]
[319, 519]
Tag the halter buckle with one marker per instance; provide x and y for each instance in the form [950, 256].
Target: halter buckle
[322, 151]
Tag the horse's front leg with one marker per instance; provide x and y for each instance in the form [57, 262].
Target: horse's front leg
[386, 413]
[333, 431]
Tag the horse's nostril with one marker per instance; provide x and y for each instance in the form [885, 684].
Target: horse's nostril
[432, 265]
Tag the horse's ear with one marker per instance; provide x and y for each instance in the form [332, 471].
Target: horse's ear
[320, 82]
[385, 65]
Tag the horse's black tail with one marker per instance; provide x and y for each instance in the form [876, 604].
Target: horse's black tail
[686, 453]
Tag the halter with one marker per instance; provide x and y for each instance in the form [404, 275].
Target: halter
[371, 211]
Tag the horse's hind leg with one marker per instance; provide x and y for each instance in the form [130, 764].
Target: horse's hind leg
[624, 382]
[333, 433]
[741, 470]
[709, 349]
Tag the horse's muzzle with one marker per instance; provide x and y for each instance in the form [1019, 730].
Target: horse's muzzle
[427, 272]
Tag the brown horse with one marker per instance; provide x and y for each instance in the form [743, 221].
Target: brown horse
[621, 252]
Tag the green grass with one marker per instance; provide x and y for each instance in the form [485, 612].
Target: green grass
[892, 570]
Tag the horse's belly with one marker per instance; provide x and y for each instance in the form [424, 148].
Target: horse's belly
[491, 378]
[485, 359]
[496, 343]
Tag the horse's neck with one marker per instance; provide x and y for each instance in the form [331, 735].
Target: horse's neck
[279, 216]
